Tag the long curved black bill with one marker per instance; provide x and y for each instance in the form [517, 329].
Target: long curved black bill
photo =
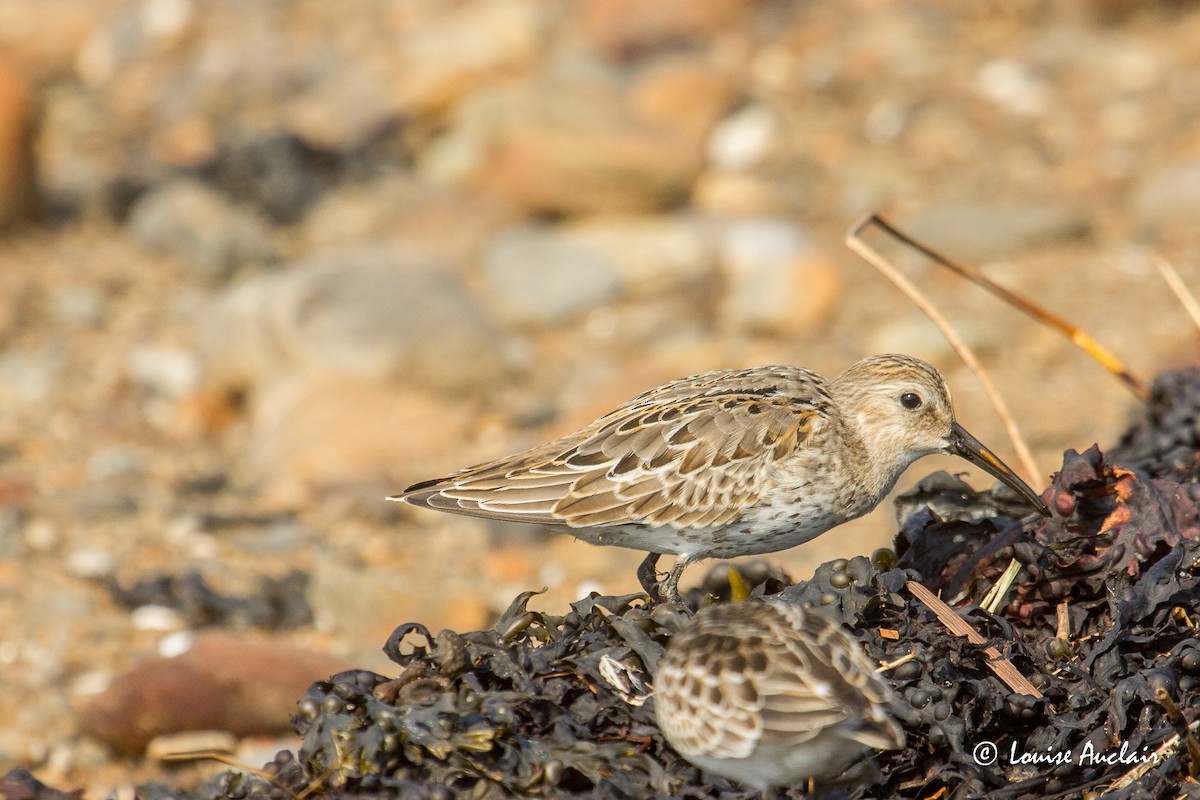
[967, 446]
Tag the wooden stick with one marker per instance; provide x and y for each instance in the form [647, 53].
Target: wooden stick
[998, 664]
[914, 294]
[1078, 337]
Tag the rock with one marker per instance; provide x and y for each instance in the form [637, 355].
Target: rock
[979, 233]
[685, 94]
[1015, 87]
[223, 683]
[327, 431]
[81, 163]
[650, 253]
[776, 280]
[277, 172]
[386, 311]
[454, 47]
[343, 110]
[114, 462]
[45, 45]
[89, 562]
[567, 144]
[82, 306]
[536, 277]
[211, 236]
[739, 194]
[1169, 196]
[620, 28]
[17, 187]
[164, 370]
[449, 224]
[743, 139]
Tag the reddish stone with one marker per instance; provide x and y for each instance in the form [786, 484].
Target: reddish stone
[222, 683]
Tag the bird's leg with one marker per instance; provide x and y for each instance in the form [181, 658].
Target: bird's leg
[669, 589]
[648, 575]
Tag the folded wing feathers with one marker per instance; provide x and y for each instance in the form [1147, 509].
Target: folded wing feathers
[660, 460]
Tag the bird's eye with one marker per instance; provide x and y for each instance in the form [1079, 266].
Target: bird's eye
[910, 400]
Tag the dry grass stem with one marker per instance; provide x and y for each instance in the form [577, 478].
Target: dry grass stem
[1079, 338]
[996, 594]
[1186, 298]
[890, 665]
[872, 257]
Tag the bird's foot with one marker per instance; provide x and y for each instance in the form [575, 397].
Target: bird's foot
[648, 575]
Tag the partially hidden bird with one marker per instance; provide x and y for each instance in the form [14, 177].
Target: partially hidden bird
[769, 693]
[728, 463]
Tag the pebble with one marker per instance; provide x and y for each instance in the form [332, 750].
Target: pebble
[1169, 197]
[18, 191]
[980, 233]
[41, 535]
[211, 236]
[165, 370]
[378, 312]
[12, 520]
[113, 462]
[1014, 86]
[572, 143]
[743, 139]
[447, 223]
[82, 306]
[535, 277]
[347, 105]
[156, 618]
[776, 280]
[225, 683]
[176, 644]
[459, 47]
[326, 431]
[650, 253]
[89, 562]
[683, 94]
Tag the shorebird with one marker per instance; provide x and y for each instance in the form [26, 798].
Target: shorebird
[768, 694]
[727, 463]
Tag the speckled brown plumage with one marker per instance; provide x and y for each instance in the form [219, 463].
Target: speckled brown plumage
[728, 463]
[768, 694]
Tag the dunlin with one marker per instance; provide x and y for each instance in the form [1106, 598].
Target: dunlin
[728, 463]
[768, 694]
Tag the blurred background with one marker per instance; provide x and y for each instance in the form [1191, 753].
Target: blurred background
[265, 263]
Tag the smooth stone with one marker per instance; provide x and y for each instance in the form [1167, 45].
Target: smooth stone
[382, 312]
[536, 277]
[981, 233]
[210, 235]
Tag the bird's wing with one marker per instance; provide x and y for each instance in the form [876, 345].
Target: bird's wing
[823, 680]
[706, 686]
[693, 453]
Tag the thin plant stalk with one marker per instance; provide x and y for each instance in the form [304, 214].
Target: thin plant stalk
[1078, 337]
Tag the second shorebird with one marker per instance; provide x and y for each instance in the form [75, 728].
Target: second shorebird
[728, 463]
